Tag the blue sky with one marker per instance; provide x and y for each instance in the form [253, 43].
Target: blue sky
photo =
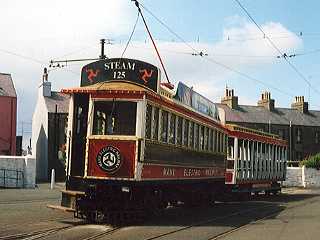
[36, 31]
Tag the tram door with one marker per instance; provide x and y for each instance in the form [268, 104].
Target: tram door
[80, 122]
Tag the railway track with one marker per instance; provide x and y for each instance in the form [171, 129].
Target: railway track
[34, 234]
[255, 219]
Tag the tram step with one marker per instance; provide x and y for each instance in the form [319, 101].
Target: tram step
[72, 193]
[57, 207]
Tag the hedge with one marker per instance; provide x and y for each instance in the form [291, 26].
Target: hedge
[311, 162]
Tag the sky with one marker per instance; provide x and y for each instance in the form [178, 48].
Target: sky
[238, 54]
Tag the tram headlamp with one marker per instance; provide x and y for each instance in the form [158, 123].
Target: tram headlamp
[125, 189]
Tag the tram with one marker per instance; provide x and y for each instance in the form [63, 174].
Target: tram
[135, 145]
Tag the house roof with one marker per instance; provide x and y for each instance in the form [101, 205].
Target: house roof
[58, 99]
[6, 85]
[281, 116]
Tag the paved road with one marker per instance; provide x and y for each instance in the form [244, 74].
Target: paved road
[293, 215]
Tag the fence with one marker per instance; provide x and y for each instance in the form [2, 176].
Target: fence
[17, 172]
[11, 178]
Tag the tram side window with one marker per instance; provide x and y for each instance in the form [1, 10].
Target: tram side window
[230, 153]
[172, 128]
[196, 136]
[201, 137]
[114, 118]
[148, 121]
[80, 118]
[155, 121]
[218, 142]
[185, 132]
[211, 142]
[206, 138]
[164, 126]
[179, 131]
[191, 135]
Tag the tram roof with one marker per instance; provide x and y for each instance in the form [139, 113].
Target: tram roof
[254, 134]
[107, 86]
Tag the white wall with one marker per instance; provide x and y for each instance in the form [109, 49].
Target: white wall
[25, 164]
[302, 177]
[293, 177]
[40, 137]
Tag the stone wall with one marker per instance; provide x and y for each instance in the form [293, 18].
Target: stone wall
[302, 177]
[311, 177]
[293, 177]
[16, 171]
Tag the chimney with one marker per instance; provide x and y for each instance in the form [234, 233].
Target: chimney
[266, 101]
[45, 87]
[229, 99]
[300, 104]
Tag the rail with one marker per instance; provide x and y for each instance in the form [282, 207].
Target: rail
[9, 174]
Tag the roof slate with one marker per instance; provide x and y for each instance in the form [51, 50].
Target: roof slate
[281, 116]
[59, 99]
[6, 86]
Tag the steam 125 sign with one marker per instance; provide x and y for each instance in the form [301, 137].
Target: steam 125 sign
[121, 69]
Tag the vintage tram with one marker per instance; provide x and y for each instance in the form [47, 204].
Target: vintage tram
[135, 145]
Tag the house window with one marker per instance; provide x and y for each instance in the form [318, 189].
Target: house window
[317, 137]
[299, 156]
[298, 135]
[281, 133]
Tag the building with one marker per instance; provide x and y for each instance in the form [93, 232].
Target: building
[298, 125]
[49, 122]
[8, 115]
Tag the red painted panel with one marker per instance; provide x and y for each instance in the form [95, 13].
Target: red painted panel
[228, 177]
[8, 120]
[127, 150]
[179, 172]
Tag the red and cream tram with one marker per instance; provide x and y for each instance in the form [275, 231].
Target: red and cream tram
[136, 145]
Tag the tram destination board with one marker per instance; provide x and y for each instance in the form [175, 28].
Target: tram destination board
[121, 69]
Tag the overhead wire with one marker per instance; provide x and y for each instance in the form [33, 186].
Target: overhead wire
[278, 50]
[133, 30]
[212, 60]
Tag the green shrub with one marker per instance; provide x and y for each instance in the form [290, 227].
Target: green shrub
[311, 162]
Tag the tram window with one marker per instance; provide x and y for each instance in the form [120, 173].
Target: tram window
[201, 137]
[191, 135]
[196, 136]
[185, 132]
[148, 121]
[218, 142]
[209, 139]
[114, 118]
[80, 118]
[179, 130]
[172, 128]
[164, 126]
[211, 148]
[206, 137]
[230, 148]
[155, 121]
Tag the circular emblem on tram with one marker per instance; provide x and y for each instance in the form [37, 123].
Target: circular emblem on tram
[109, 159]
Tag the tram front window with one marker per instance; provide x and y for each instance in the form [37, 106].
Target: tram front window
[114, 118]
